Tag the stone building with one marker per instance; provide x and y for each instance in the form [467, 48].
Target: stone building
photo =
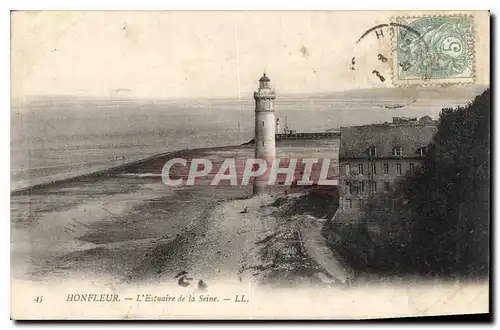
[374, 157]
[404, 120]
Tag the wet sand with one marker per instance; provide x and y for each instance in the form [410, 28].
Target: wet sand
[126, 224]
[103, 224]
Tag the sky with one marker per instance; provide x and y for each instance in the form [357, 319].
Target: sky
[198, 54]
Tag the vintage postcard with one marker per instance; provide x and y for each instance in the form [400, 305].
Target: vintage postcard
[249, 164]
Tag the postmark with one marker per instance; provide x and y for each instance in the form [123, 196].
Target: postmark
[373, 53]
[433, 50]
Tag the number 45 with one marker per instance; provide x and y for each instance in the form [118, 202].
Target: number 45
[39, 299]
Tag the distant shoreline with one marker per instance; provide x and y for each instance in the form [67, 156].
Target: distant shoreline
[434, 92]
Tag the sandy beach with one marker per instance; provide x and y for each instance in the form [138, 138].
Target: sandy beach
[128, 225]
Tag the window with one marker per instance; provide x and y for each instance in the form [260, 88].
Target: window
[386, 168]
[372, 151]
[373, 187]
[360, 168]
[361, 203]
[373, 169]
[347, 169]
[353, 188]
[348, 203]
[387, 186]
[347, 187]
[412, 168]
[362, 186]
[398, 168]
[422, 151]
[397, 151]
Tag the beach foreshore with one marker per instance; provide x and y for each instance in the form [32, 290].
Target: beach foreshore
[125, 223]
[29, 184]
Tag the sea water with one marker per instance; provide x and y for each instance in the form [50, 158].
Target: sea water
[57, 137]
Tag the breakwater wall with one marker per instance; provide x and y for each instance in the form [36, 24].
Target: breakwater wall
[308, 136]
[303, 137]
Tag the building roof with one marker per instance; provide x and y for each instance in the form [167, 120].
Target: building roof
[264, 78]
[356, 140]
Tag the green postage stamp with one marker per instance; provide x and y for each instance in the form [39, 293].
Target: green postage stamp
[433, 50]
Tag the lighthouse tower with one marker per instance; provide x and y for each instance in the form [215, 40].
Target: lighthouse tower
[265, 131]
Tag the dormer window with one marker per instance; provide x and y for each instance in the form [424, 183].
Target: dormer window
[397, 151]
[372, 151]
[422, 151]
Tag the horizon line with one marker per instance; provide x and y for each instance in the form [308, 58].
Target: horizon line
[235, 98]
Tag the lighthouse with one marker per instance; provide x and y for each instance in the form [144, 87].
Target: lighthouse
[265, 131]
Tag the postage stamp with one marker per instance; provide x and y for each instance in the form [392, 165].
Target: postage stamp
[433, 50]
